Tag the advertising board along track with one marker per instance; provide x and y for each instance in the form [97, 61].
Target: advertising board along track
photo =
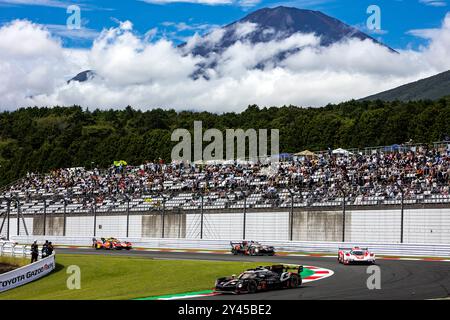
[26, 274]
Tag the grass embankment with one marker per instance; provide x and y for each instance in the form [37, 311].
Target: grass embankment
[113, 277]
[11, 263]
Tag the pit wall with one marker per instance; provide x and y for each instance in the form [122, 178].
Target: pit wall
[428, 226]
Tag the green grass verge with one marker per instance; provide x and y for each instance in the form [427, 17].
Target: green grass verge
[116, 277]
[13, 261]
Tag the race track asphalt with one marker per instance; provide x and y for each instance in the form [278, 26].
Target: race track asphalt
[400, 279]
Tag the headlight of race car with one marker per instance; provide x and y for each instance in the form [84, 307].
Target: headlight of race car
[239, 285]
[256, 250]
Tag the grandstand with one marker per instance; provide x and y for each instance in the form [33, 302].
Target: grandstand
[381, 178]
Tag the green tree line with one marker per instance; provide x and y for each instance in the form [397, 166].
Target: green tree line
[41, 139]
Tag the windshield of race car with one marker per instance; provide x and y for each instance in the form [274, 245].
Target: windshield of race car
[358, 253]
[247, 275]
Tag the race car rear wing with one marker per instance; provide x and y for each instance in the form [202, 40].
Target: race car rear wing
[286, 267]
[360, 248]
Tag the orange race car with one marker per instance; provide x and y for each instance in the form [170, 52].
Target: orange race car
[112, 244]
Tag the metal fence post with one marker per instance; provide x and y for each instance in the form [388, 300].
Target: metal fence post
[343, 217]
[179, 223]
[163, 217]
[201, 217]
[8, 216]
[244, 222]
[18, 217]
[291, 217]
[45, 216]
[95, 217]
[128, 216]
[65, 217]
[402, 216]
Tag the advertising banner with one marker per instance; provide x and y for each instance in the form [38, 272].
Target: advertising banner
[26, 274]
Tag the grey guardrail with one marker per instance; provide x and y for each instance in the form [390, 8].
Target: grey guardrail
[13, 249]
[394, 249]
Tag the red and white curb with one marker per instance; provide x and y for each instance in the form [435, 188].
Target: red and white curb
[319, 274]
[280, 254]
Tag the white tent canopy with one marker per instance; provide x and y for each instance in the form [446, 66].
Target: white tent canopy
[341, 151]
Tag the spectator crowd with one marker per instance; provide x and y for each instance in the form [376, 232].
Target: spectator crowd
[322, 177]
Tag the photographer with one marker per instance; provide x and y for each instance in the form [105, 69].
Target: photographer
[34, 251]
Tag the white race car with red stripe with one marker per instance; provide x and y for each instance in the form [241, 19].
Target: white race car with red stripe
[355, 255]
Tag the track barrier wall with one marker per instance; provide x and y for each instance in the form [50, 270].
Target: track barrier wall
[388, 249]
[388, 225]
[26, 274]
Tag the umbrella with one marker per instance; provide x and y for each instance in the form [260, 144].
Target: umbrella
[305, 153]
[340, 151]
[120, 162]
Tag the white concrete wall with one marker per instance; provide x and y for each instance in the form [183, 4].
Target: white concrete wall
[427, 226]
[135, 230]
[267, 226]
[215, 226]
[373, 226]
[111, 226]
[259, 225]
[13, 226]
[79, 226]
[430, 226]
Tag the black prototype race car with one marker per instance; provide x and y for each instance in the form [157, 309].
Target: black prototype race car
[262, 279]
[251, 248]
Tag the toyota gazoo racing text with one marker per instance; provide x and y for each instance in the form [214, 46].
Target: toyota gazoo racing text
[112, 244]
[261, 279]
[355, 255]
[251, 248]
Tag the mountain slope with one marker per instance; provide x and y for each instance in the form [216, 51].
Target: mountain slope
[262, 26]
[83, 76]
[280, 23]
[431, 88]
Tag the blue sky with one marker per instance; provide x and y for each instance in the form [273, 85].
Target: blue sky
[177, 20]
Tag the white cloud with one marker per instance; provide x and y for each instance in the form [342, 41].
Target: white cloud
[244, 28]
[206, 2]
[83, 33]
[434, 3]
[241, 3]
[424, 33]
[133, 71]
[44, 3]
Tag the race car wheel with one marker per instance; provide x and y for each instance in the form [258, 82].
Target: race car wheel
[251, 287]
[293, 283]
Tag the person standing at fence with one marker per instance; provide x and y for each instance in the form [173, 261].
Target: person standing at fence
[49, 249]
[45, 249]
[34, 251]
